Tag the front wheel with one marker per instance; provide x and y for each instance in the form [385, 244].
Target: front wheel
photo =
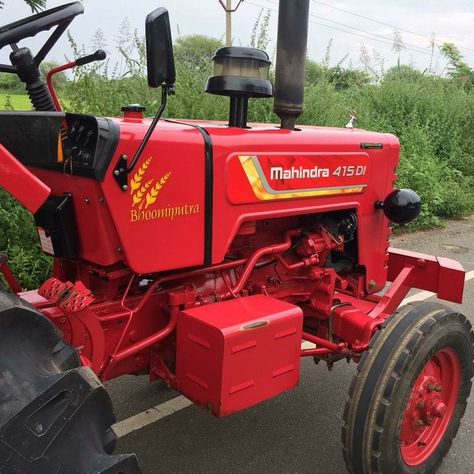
[406, 402]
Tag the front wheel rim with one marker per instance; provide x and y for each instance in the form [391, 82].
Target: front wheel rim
[430, 406]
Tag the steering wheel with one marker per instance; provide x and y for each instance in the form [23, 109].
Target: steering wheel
[61, 17]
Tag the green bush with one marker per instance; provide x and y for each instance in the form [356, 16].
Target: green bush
[19, 241]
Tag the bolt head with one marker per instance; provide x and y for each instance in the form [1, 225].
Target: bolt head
[372, 284]
[125, 187]
[116, 172]
[440, 410]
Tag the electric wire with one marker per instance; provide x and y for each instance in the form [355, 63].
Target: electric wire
[387, 41]
[380, 22]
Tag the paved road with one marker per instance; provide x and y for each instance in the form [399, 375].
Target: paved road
[297, 432]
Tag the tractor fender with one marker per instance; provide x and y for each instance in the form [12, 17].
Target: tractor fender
[21, 183]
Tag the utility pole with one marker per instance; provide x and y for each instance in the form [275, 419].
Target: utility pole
[227, 6]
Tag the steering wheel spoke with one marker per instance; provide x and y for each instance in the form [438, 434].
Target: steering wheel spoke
[59, 17]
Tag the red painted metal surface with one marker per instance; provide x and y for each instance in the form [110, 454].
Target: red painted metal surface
[175, 160]
[440, 275]
[142, 266]
[98, 240]
[313, 142]
[49, 81]
[234, 354]
[430, 406]
[21, 183]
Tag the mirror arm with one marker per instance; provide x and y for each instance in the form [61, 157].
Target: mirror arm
[121, 170]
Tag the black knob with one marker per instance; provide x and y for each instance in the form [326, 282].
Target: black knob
[401, 206]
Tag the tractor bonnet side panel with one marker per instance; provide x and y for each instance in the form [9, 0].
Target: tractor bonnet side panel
[160, 217]
[265, 173]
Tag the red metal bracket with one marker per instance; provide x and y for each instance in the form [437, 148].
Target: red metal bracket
[440, 275]
[71, 297]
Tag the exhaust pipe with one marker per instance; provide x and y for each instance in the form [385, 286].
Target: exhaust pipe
[293, 20]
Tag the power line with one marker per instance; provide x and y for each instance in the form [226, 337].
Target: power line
[384, 37]
[385, 40]
[380, 22]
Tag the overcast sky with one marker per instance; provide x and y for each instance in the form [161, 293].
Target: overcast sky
[449, 21]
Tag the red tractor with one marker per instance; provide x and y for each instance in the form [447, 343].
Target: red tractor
[205, 253]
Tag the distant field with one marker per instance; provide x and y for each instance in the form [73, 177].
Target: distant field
[18, 101]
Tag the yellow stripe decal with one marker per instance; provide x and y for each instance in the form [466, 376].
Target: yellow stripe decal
[255, 181]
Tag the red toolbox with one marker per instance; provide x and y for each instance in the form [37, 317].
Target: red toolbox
[236, 353]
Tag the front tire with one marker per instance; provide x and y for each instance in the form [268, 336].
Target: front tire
[406, 402]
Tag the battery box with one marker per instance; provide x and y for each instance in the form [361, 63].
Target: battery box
[236, 353]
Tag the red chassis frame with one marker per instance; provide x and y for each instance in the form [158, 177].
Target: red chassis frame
[352, 319]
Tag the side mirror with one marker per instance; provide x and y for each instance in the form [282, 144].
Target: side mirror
[159, 47]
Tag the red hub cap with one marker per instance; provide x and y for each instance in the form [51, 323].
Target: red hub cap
[430, 407]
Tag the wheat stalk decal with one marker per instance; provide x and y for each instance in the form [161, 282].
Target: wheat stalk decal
[135, 183]
[138, 196]
[155, 190]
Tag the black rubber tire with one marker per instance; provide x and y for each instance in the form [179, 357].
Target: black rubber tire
[385, 375]
[55, 416]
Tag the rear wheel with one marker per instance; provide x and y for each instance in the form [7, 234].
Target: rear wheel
[406, 402]
[55, 416]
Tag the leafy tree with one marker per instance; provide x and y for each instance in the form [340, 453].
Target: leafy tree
[457, 69]
[196, 52]
[343, 78]
[313, 71]
[35, 5]
[403, 72]
[9, 82]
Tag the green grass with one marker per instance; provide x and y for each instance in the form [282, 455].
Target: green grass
[17, 101]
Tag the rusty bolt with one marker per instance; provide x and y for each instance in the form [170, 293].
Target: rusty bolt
[420, 423]
[420, 405]
[372, 284]
[438, 388]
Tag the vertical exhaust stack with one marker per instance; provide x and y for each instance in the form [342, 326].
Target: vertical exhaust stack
[293, 20]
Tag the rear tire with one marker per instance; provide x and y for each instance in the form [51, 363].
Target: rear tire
[406, 402]
[55, 416]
